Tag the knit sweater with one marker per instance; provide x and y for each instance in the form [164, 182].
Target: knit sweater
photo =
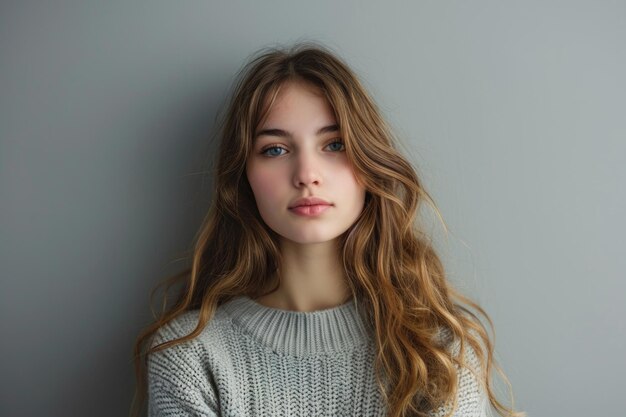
[254, 360]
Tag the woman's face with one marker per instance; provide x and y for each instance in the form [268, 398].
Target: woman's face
[298, 152]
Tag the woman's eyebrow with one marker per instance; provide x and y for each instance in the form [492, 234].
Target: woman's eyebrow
[285, 134]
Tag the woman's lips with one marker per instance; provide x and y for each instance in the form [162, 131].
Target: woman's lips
[309, 211]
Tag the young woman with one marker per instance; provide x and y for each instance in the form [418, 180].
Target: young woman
[311, 290]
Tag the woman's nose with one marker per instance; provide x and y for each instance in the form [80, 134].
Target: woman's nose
[307, 169]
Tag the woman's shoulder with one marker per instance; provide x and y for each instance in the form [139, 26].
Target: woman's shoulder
[176, 328]
[193, 356]
[181, 374]
[185, 323]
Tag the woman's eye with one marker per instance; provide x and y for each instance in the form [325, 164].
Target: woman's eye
[339, 141]
[267, 150]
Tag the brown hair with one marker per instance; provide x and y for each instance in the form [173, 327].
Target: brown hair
[390, 264]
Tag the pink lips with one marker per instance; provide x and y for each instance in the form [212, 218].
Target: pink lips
[313, 210]
[308, 201]
[309, 206]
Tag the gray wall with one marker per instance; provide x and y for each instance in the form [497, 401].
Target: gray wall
[513, 114]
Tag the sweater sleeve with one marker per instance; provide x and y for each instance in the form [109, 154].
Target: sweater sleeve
[177, 386]
[172, 400]
[471, 397]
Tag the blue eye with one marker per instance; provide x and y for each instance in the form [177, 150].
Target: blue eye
[335, 142]
[272, 155]
[264, 151]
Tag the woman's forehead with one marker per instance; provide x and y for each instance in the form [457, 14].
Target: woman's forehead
[299, 100]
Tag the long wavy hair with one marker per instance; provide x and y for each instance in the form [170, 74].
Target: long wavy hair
[390, 264]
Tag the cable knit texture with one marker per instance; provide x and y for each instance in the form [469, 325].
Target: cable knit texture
[253, 360]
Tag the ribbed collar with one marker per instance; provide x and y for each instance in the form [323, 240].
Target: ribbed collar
[300, 333]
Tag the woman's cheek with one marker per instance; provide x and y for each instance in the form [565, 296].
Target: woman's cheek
[265, 184]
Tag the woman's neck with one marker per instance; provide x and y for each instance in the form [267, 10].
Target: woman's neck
[311, 278]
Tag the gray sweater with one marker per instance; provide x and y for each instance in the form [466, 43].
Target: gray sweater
[253, 360]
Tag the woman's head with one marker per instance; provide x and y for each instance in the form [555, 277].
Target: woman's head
[299, 91]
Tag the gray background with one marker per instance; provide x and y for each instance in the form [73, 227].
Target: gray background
[512, 113]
